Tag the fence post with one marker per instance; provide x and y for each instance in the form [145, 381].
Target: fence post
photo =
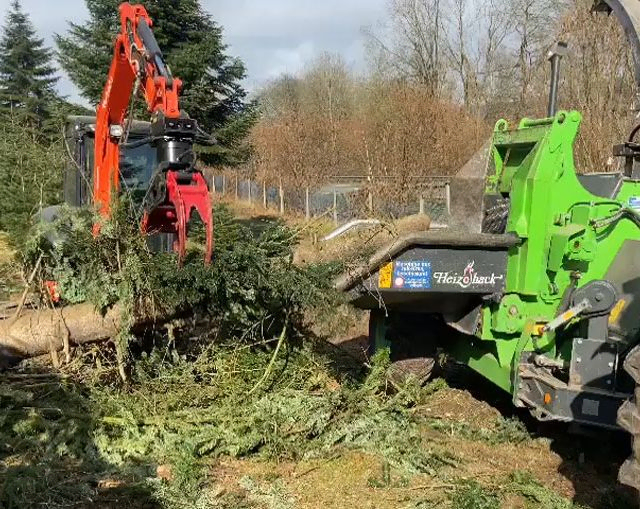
[250, 182]
[307, 205]
[335, 206]
[224, 184]
[370, 202]
[264, 194]
[281, 199]
[237, 194]
[421, 204]
[447, 189]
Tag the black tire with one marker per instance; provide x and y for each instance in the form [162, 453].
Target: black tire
[412, 339]
[419, 369]
[629, 420]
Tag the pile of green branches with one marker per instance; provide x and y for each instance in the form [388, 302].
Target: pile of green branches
[252, 291]
[66, 441]
[62, 436]
[209, 409]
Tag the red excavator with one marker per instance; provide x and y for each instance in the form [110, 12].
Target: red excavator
[153, 161]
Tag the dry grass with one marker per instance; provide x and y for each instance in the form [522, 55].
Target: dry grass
[6, 253]
[243, 209]
[346, 248]
[358, 243]
[344, 481]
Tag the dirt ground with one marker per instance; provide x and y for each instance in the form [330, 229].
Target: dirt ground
[564, 469]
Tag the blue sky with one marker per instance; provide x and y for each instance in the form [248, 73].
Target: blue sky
[271, 36]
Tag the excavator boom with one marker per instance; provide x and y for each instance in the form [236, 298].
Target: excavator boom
[176, 188]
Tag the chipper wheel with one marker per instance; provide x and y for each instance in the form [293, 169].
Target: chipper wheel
[629, 420]
[411, 340]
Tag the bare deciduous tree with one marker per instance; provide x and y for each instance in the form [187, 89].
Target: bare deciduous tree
[411, 44]
[443, 72]
[598, 81]
[480, 53]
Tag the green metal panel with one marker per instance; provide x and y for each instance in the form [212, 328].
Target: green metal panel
[553, 215]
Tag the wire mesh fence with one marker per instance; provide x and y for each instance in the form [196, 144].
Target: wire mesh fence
[345, 198]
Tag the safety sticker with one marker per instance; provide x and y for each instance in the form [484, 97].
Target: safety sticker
[385, 277]
[412, 275]
[634, 202]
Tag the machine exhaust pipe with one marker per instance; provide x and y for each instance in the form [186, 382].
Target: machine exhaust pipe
[555, 55]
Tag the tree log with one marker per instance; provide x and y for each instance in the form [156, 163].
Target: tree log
[38, 332]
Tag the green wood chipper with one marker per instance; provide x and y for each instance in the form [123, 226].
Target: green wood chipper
[536, 284]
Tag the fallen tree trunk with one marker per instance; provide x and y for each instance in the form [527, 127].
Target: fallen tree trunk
[38, 332]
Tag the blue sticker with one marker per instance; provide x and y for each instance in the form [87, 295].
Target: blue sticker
[634, 202]
[415, 275]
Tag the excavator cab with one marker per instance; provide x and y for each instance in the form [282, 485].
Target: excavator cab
[137, 166]
[137, 163]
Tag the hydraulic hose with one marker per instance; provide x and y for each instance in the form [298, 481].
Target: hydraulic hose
[139, 143]
[622, 213]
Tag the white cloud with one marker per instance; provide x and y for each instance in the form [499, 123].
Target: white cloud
[270, 36]
[286, 60]
[293, 17]
[275, 36]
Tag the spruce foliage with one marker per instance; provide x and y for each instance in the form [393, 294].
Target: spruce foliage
[252, 290]
[30, 173]
[27, 75]
[30, 123]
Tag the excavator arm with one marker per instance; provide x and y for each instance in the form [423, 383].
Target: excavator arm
[177, 188]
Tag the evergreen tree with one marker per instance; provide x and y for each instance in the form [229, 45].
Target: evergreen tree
[27, 76]
[31, 172]
[192, 45]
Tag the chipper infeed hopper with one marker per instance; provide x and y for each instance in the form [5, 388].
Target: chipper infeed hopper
[536, 285]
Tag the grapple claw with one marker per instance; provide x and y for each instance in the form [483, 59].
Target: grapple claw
[185, 193]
